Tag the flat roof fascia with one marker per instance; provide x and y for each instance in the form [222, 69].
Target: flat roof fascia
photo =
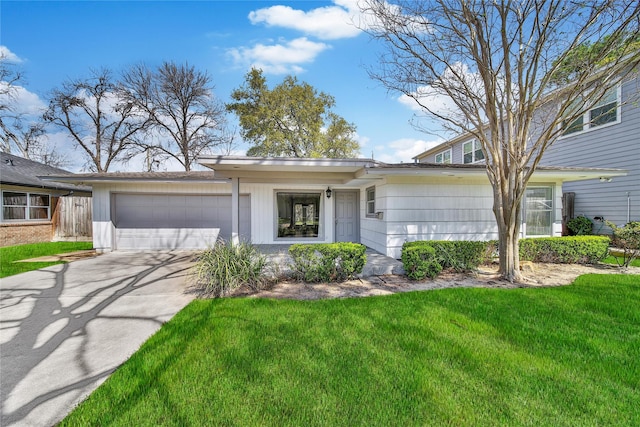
[225, 163]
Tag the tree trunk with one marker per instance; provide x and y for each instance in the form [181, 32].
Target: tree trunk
[506, 208]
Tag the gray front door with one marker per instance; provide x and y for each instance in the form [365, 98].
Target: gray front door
[346, 216]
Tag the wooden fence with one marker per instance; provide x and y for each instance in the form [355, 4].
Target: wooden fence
[73, 218]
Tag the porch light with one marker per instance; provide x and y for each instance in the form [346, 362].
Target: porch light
[328, 193]
[605, 179]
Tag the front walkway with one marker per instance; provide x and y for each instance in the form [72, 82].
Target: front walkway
[377, 264]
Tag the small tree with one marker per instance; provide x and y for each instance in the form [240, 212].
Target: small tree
[185, 119]
[626, 238]
[499, 63]
[101, 124]
[292, 120]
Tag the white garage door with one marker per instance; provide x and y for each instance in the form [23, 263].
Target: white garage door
[175, 221]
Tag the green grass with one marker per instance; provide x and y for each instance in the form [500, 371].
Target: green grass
[564, 356]
[612, 260]
[10, 254]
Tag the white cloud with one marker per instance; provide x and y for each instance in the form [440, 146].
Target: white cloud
[327, 23]
[9, 56]
[281, 58]
[21, 100]
[404, 149]
[458, 75]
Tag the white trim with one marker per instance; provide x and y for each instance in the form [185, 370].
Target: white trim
[321, 217]
[552, 209]
[367, 201]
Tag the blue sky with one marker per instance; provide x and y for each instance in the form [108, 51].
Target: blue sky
[317, 41]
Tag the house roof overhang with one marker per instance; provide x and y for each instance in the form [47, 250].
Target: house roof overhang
[542, 173]
[346, 172]
[287, 170]
[169, 177]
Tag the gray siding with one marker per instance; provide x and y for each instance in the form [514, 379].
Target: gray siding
[613, 146]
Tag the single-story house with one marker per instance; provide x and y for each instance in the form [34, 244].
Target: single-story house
[29, 203]
[293, 200]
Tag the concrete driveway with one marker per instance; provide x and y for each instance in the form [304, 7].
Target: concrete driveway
[65, 329]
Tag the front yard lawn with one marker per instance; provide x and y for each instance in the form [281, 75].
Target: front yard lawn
[561, 356]
[10, 254]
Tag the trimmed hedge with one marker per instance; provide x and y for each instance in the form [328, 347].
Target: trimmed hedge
[327, 262]
[420, 261]
[461, 255]
[565, 250]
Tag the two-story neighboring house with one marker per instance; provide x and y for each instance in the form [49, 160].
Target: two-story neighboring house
[607, 136]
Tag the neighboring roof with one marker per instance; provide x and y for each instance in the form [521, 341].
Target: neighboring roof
[350, 172]
[16, 170]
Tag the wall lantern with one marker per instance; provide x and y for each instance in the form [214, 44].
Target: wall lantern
[328, 193]
[605, 179]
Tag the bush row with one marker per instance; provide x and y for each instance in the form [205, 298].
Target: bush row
[427, 258]
[459, 255]
[327, 262]
[565, 250]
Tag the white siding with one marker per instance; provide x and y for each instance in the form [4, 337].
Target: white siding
[435, 209]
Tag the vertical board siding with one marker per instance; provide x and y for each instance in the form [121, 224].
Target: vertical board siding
[74, 217]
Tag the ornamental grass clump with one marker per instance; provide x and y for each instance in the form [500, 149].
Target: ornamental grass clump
[225, 267]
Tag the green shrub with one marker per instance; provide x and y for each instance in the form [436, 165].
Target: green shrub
[627, 238]
[225, 267]
[580, 226]
[460, 255]
[420, 261]
[327, 262]
[565, 250]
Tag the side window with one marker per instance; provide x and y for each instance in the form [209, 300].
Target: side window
[539, 211]
[444, 157]
[371, 201]
[24, 206]
[604, 112]
[472, 152]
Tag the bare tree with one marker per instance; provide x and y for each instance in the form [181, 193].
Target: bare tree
[185, 118]
[498, 63]
[100, 123]
[18, 132]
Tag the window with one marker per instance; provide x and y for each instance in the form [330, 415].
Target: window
[604, 112]
[444, 157]
[539, 211]
[371, 201]
[24, 206]
[472, 152]
[298, 214]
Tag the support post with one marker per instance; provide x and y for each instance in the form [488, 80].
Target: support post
[235, 210]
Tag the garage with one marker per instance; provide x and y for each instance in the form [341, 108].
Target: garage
[175, 221]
